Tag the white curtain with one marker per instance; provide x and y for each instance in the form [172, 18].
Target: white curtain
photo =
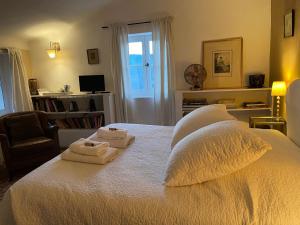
[164, 70]
[6, 83]
[120, 71]
[14, 82]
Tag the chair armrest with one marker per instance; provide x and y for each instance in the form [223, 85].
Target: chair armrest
[5, 146]
[4, 141]
[51, 132]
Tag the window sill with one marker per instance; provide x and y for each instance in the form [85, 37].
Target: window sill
[142, 97]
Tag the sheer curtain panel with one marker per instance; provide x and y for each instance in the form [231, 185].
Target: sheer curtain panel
[120, 71]
[21, 99]
[6, 83]
[164, 71]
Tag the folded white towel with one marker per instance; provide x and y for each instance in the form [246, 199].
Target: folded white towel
[109, 155]
[111, 134]
[89, 147]
[117, 143]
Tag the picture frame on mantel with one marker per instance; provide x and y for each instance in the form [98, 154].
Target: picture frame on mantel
[289, 23]
[93, 56]
[223, 61]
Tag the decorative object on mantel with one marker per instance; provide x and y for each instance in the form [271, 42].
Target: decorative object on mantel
[53, 50]
[223, 61]
[67, 88]
[33, 86]
[289, 23]
[93, 56]
[195, 75]
[256, 80]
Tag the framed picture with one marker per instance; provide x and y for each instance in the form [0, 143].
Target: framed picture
[289, 24]
[222, 60]
[93, 56]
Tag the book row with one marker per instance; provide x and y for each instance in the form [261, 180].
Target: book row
[49, 105]
[92, 122]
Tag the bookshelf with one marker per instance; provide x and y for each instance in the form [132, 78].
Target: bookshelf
[73, 115]
[240, 95]
[74, 111]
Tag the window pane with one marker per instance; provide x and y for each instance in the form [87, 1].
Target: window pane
[136, 75]
[1, 99]
[151, 67]
[151, 47]
[135, 53]
[141, 64]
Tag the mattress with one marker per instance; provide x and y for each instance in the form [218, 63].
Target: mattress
[130, 190]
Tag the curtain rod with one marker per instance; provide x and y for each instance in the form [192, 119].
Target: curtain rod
[130, 24]
[3, 50]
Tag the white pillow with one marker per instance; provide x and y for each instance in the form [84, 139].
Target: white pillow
[213, 151]
[198, 118]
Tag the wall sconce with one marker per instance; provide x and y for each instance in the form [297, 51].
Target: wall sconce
[54, 48]
[278, 89]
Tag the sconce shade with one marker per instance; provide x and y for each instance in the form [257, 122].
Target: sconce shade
[54, 48]
[278, 88]
[51, 53]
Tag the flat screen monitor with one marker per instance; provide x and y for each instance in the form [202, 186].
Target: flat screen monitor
[91, 83]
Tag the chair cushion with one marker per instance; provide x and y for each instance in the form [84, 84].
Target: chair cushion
[33, 146]
[31, 142]
[33, 152]
[23, 127]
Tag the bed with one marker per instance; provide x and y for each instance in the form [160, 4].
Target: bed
[130, 189]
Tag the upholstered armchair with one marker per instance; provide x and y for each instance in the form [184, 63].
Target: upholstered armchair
[27, 140]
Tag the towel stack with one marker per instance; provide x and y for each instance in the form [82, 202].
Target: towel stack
[89, 151]
[117, 138]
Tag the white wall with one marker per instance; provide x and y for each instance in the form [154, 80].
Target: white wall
[11, 41]
[194, 21]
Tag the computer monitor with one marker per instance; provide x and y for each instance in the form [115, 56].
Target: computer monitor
[91, 83]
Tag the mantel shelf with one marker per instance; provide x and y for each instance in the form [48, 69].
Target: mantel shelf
[224, 90]
[238, 109]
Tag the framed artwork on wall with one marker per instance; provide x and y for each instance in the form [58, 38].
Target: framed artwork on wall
[93, 56]
[222, 60]
[289, 23]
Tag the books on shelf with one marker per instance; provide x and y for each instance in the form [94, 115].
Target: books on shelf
[67, 115]
[255, 105]
[88, 122]
[228, 102]
[48, 104]
[194, 103]
[191, 108]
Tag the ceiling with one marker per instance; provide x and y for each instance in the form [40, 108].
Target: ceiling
[24, 17]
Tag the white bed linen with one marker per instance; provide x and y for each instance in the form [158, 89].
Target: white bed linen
[129, 190]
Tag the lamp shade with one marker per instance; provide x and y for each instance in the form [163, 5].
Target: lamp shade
[51, 53]
[278, 88]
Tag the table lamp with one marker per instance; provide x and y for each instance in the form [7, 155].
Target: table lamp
[278, 90]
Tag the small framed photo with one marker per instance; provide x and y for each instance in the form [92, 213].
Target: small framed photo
[93, 56]
[289, 23]
[222, 60]
[222, 63]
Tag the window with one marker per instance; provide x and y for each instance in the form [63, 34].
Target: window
[1, 100]
[141, 65]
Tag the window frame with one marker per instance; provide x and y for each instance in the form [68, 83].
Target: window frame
[145, 38]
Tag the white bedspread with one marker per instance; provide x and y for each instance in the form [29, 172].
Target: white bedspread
[129, 190]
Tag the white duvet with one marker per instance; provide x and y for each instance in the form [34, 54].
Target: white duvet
[130, 190]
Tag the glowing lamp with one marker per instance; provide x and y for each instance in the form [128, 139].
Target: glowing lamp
[278, 89]
[52, 51]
